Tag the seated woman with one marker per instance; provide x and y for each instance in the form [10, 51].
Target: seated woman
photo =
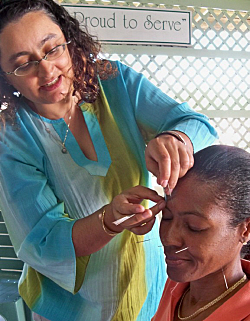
[204, 227]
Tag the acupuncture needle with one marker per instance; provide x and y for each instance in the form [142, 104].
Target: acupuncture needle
[123, 219]
[147, 240]
[181, 250]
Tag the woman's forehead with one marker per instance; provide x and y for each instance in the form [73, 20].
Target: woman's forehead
[31, 26]
[193, 191]
[28, 33]
[193, 183]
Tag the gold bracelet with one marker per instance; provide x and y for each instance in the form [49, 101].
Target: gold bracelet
[105, 229]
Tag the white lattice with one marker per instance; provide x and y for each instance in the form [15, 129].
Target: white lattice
[206, 83]
[221, 29]
[233, 131]
[213, 75]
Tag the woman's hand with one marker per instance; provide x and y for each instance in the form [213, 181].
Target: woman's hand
[128, 203]
[168, 159]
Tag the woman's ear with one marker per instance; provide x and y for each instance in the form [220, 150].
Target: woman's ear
[245, 231]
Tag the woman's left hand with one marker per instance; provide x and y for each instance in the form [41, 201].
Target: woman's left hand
[168, 159]
[127, 204]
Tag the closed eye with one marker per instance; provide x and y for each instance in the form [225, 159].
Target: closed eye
[24, 66]
[195, 229]
[54, 51]
[166, 218]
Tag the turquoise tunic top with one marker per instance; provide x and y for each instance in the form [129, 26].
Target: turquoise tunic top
[43, 192]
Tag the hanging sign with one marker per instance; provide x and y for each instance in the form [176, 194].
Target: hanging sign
[135, 25]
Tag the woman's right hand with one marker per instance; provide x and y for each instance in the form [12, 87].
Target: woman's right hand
[128, 203]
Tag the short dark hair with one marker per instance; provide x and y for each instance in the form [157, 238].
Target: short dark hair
[83, 49]
[226, 171]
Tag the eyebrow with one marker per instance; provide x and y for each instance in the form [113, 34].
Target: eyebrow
[196, 213]
[25, 53]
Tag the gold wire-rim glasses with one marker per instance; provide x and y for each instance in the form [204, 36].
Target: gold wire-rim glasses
[53, 54]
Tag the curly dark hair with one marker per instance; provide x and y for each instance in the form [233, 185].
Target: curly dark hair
[83, 49]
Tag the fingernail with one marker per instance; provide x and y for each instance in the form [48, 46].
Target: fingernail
[148, 214]
[168, 190]
[164, 183]
[139, 210]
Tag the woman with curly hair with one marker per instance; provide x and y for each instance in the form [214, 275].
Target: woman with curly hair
[78, 134]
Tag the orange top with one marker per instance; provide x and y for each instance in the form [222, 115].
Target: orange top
[236, 308]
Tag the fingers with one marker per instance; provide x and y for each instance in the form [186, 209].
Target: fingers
[138, 221]
[144, 228]
[186, 160]
[134, 197]
[128, 213]
[180, 162]
[148, 224]
[168, 159]
[155, 154]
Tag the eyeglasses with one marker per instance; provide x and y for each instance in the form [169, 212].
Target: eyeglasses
[31, 66]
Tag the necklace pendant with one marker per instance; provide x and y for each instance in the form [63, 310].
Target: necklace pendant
[64, 150]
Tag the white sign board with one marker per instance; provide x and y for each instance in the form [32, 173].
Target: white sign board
[135, 25]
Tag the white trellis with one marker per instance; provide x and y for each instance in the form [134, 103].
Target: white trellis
[213, 75]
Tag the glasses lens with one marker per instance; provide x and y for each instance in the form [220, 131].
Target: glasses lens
[26, 69]
[56, 52]
[30, 67]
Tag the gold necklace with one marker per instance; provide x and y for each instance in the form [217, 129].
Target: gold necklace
[220, 297]
[64, 149]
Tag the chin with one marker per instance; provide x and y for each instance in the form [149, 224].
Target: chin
[178, 276]
[59, 97]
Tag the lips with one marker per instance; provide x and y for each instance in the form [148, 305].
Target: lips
[173, 260]
[52, 82]
[52, 85]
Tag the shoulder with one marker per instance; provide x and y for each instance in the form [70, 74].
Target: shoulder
[170, 297]
[18, 138]
[246, 267]
[122, 71]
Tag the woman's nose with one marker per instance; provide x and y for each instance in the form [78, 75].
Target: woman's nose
[45, 68]
[170, 234]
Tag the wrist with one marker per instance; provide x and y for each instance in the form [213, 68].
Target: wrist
[173, 133]
[107, 220]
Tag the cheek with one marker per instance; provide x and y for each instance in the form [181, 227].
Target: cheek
[27, 87]
[209, 243]
[64, 63]
[21, 84]
[208, 254]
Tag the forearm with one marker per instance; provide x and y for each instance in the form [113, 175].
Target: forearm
[88, 234]
[199, 132]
